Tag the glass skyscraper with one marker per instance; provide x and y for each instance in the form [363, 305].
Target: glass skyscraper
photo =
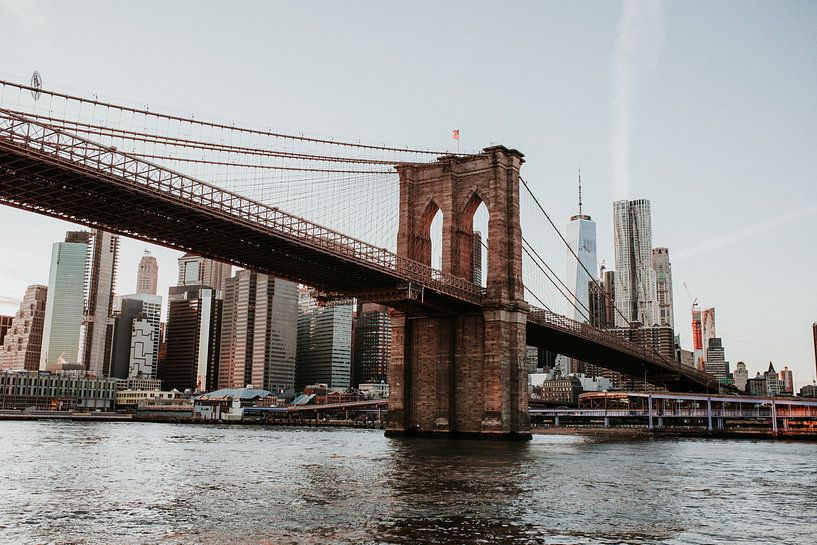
[65, 305]
[324, 343]
[635, 277]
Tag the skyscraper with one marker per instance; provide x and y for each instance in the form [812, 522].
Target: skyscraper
[136, 326]
[581, 239]
[787, 378]
[5, 324]
[97, 323]
[602, 298]
[324, 343]
[20, 349]
[716, 363]
[663, 283]
[814, 335]
[65, 305]
[635, 277]
[707, 329]
[192, 339]
[195, 270]
[258, 332]
[741, 376]
[372, 345]
[477, 259]
[147, 278]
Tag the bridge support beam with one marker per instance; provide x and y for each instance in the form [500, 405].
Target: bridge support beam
[460, 376]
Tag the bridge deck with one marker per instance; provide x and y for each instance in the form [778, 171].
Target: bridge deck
[51, 172]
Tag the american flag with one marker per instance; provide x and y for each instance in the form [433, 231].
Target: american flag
[456, 134]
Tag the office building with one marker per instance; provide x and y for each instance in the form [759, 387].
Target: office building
[580, 233]
[372, 345]
[814, 336]
[258, 332]
[716, 363]
[707, 328]
[601, 300]
[21, 345]
[5, 324]
[774, 386]
[195, 270]
[476, 257]
[787, 379]
[136, 336]
[192, 339]
[697, 338]
[147, 278]
[740, 376]
[324, 343]
[663, 282]
[96, 336]
[65, 305]
[635, 277]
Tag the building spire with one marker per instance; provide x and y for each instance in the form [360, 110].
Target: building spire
[580, 191]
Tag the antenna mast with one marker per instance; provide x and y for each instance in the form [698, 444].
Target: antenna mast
[580, 191]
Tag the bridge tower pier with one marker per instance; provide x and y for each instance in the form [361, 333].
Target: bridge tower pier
[462, 373]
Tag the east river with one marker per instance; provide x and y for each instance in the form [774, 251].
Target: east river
[66, 482]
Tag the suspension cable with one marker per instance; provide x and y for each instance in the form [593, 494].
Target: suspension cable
[592, 276]
[543, 262]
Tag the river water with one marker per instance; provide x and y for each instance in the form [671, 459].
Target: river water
[69, 482]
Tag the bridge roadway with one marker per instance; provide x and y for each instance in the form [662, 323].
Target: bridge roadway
[55, 173]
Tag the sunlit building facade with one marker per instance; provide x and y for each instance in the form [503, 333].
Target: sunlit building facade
[22, 342]
[635, 277]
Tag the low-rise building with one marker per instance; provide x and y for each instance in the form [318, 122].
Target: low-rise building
[227, 404]
[809, 390]
[131, 399]
[45, 391]
[139, 383]
[375, 390]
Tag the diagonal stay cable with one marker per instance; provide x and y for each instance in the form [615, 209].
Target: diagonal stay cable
[532, 249]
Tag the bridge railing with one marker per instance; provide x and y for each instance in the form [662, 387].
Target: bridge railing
[589, 332]
[54, 145]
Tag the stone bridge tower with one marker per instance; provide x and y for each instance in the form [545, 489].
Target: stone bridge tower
[463, 374]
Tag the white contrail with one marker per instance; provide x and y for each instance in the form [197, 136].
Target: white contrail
[638, 45]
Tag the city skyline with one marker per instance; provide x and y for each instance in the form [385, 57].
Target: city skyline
[697, 213]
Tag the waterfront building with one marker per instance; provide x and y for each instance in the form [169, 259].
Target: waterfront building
[663, 282]
[741, 376]
[580, 234]
[787, 378]
[809, 390]
[46, 391]
[258, 332]
[131, 399]
[716, 363]
[562, 390]
[5, 324]
[65, 305]
[96, 336]
[147, 278]
[138, 383]
[195, 270]
[227, 403]
[20, 348]
[372, 345]
[635, 277]
[324, 343]
[373, 390]
[136, 336]
[192, 340]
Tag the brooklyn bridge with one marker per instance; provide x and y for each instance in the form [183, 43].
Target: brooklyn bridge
[377, 223]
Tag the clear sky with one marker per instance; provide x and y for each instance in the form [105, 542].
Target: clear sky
[708, 109]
